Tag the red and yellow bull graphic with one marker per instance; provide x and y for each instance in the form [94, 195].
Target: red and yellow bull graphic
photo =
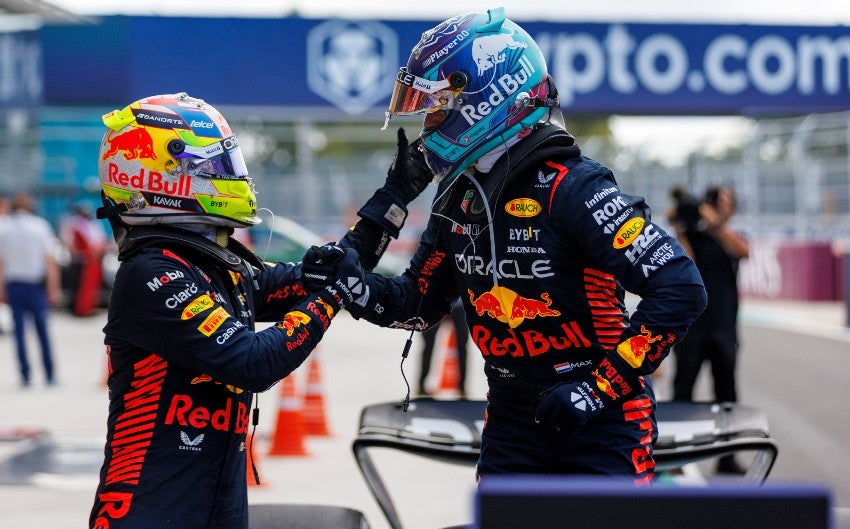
[509, 307]
[201, 379]
[293, 320]
[523, 207]
[628, 232]
[196, 306]
[213, 321]
[634, 349]
[604, 386]
[134, 144]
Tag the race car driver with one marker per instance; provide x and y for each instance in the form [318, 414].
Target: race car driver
[183, 356]
[540, 242]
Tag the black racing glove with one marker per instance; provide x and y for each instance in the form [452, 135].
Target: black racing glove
[337, 271]
[407, 177]
[568, 407]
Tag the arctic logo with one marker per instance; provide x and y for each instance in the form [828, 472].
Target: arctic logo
[352, 64]
[488, 51]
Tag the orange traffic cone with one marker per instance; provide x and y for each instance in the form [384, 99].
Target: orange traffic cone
[314, 401]
[288, 439]
[450, 376]
[252, 468]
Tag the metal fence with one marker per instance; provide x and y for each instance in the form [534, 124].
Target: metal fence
[792, 175]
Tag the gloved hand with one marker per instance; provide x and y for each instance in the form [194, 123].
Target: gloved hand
[568, 407]
[337, 271]
[407, 177]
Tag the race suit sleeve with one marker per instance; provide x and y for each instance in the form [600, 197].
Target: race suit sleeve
[418, 298]
[174, 310]
[615, 233]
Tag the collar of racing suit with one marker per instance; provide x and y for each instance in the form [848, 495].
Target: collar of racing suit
[543, 143]
[234, 257]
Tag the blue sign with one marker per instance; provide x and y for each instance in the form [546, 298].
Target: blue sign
[20, 69]
[348, 67]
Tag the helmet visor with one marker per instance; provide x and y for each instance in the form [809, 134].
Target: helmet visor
[222, 159]
[415, 95]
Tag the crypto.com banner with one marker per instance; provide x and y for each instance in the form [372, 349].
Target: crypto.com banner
[350, 65]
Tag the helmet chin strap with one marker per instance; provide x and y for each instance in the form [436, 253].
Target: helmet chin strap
[221, 235]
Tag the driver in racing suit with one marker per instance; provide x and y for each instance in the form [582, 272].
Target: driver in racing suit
[540, 243]
[183, 357]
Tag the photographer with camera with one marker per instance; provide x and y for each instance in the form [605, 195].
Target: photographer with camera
[702, 227]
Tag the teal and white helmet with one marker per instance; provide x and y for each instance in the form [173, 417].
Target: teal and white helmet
[480, 79]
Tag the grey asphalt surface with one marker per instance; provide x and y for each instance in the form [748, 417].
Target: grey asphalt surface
[793, 365]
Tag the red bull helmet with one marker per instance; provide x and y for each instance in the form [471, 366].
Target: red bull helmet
[173, 159]
[479, 78]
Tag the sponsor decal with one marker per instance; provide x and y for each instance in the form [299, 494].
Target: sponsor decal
[610, 374]
[292, 320]
[152, 181]
[524, 249]
[634, 349]
[614, 223]
[134, 144]
[528, 343]
[566, 367]
[197, 306]
[663, 254]
[523, 207]
[164, 279]
[175, 300]
[472, 230]
[286, 292]
[599, 195]
[545, 180]
[524, 234]
[183, 411]
[610, 209]
[502, 88]
[509, 307]
[475, 265]
[213, 321]
[162, 120]
[467, 200]
[604, 386]
[628, 233]
[189, 443]
[642, 242]
[489, 50]
[200, 379]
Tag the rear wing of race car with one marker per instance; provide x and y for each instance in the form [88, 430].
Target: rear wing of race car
[450, 431]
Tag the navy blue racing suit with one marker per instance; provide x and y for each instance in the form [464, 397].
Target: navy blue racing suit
[183, 362]
[543, 289]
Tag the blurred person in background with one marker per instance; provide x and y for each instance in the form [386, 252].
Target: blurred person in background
[539, 242]
[704, 230]
[31, 278]
[85, 239]
[184, 359]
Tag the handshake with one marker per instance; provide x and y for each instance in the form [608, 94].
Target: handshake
[338, 272]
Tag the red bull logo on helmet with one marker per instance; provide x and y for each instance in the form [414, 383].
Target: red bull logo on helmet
[489, 50]
[509, 307]
[134, 144]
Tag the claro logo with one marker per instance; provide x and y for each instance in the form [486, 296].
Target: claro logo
[627, 233]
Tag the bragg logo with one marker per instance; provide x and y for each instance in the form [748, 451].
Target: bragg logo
[627, 233]
[213, 321]
[523, 207]
[197, 306]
